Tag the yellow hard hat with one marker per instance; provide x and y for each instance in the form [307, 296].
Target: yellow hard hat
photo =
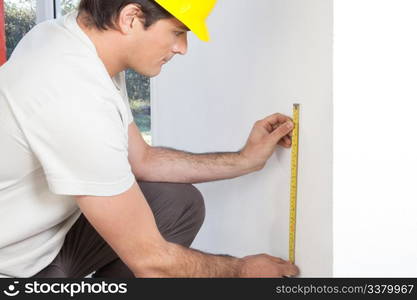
[192, 13]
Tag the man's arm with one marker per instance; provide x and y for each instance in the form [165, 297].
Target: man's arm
[127, 224]
[164, 164]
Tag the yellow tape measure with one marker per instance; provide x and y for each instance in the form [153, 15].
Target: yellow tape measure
[293, 184]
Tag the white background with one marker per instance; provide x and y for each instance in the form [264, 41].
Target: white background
[375, 145]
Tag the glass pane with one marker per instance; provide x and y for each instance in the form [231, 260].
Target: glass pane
[20, 18]
[138, 88]
[68, 6]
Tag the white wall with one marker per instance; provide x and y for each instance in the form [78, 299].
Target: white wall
[264, 56]
[375, 199]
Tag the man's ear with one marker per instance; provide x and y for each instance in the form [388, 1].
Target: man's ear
[128, 16]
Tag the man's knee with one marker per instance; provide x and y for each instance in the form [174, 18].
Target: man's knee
[178, 208]
[188, 201]
[171, 202]
[196, 202]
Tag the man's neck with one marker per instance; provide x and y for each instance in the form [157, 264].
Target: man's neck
[106, 45]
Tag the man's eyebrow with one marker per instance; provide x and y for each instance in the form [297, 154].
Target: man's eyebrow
[183, 27]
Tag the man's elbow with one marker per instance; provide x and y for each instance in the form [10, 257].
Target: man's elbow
[141, 169]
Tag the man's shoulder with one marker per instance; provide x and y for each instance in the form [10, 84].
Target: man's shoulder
[54, 40]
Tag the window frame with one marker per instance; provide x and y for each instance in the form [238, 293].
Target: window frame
[47, 10]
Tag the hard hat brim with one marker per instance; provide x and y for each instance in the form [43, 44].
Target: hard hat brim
[199, 29]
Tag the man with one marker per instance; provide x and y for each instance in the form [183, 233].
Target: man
[80, 190]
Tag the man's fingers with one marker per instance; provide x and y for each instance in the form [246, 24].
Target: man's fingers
[284, 143]
[287, 139]
[286, 267]
[290, 269]
[277, 259]
[282, 130]
[276, 118]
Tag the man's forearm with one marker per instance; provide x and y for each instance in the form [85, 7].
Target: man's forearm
[178, 261]
[170, 165]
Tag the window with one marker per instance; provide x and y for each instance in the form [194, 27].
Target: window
[22, 15]
[68, 6]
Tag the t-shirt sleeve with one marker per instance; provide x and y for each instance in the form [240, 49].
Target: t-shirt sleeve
[83, 149]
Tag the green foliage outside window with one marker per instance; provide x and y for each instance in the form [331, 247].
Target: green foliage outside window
[20, 18]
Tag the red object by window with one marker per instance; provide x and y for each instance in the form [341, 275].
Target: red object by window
[2, 35]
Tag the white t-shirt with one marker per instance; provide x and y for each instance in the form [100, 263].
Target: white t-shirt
[63, 132]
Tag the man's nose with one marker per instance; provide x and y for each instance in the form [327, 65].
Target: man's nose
[181, 46]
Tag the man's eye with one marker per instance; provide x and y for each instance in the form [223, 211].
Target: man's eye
[178, 33]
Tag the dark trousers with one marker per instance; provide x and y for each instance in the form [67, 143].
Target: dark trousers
[179, 213]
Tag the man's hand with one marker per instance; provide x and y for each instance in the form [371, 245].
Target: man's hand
[264, 137]
[264, 265]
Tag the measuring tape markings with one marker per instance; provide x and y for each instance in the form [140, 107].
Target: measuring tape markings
[294, 182]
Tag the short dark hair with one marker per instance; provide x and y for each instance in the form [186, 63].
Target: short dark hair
[102, 13]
